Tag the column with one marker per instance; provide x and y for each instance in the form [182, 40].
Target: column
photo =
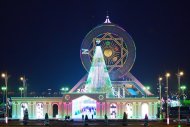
[123, 92]
[29, 110]
[153, 112]
[60, 110]
[118, 93]
[139, 110]
[119, 110]
[108, 109]
[134, 110]
[97, 110]
[32, 110]
[100, 109]
[50, 110]
[103, 109]
[70, 109]
[155, 109]
[64, 109]
[14, 110]
[150, 108]
[19, 110]
[46, 107]
[123, 108]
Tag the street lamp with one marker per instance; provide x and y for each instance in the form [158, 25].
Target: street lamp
[64, 89]
[167, 76]
[6, 77]
[179, 74]
[146, 88]
[21, 89]
[160, 88]
[3, 88]
[183, 89]
[23, 79]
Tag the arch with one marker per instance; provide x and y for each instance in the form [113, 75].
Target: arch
[113, 110]
[129, 110]
[144, 109]
[39, 110]
[55, 110]
[23, 106]
[82, 106]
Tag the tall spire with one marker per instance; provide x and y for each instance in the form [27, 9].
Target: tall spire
[107, 18]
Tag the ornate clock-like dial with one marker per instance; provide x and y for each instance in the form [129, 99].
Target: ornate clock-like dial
[114, 50]
[117, 46]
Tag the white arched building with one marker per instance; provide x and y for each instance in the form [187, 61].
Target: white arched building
[75, 105]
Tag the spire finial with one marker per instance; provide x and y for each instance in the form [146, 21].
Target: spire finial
[107, 13]
[107, 17]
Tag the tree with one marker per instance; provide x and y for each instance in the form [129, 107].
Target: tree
[25, 118]
[125, 119]
[106, 119]
[86, 120]
[46, 122]
[146, 120]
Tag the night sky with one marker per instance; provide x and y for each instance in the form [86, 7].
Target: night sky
[42, 39]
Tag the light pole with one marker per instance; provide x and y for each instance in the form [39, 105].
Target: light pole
[183, 89]
[23, 79]
[167, 76]
[21, 89]
[64, 89]
[146, 88]
[160, 88]
[3, 88]
[6, 77]
[179, 74]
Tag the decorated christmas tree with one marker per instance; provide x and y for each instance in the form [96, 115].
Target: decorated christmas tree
[98, 78]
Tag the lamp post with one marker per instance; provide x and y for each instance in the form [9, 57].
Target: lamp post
[179, 74]
[146, 88]
[6, 77]
[160, 88]
[167, 76]
[23, 79]
[21, 89]
[183, 89]
[64, 89]
[3, 88]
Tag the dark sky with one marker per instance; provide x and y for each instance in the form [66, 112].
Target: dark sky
[42, 39]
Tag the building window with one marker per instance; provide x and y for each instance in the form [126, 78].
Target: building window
[129, 110]
[144, 109]
[24, 106]
[55, 110]
[39, 111]
[113, 111]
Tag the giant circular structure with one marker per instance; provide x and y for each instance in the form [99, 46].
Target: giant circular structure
[117, 46]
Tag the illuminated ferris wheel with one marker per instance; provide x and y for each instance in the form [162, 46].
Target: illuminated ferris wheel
[117, 45]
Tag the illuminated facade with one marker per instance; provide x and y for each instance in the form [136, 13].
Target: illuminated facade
[108, 54]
